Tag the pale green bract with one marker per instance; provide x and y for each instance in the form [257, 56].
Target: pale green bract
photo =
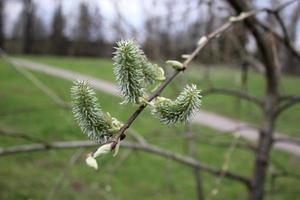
[181, 109]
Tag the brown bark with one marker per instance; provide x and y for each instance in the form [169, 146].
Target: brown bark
[28, 26]
[265, 141]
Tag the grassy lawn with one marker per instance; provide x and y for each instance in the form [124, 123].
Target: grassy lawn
[26, 109]
[288, 122]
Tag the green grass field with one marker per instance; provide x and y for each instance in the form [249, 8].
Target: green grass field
[26, 109]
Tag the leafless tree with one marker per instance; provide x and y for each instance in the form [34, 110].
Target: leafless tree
[28, 28]
[271, 102]
[83, 29]
[58, 39]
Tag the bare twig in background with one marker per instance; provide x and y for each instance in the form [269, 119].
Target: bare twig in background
[28, 75]
[279, 171]
[288, 140]
[225, 166]
[292, 26]
[281, 39]
[287, 103]
[234, 92]
[221, 143]
[135, 146]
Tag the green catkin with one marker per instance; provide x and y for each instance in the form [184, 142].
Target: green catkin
[133, 71]
[181, 109]
[128, 71]
[88, 114]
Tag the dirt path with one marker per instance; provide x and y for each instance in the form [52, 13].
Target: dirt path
[209, 119]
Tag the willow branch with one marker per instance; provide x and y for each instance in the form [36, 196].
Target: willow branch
[191, 162]
[205, 41]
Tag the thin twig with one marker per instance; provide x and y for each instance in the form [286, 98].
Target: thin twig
[234, 92]
[40, 85]
[204, 43]
[225, 166]
[135, 146]
[285, 139]
[287, 103]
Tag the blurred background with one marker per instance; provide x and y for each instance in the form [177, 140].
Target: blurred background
[165, 29]
[78, 37]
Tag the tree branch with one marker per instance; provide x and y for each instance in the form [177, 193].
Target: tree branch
[285, 139]
[203, 42]
[34, 80]
[234, 92]
[281, 39]
[191, 162]
[285, 40]
[288, 102]
[225, 144]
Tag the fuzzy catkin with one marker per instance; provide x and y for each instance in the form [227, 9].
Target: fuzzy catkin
[128, 70]
[133, 71]
[181, 109]
[88, 114]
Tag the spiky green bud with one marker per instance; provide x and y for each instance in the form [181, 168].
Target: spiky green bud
[181, 109]
[97, 125]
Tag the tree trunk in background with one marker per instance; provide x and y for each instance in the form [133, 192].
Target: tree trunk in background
[264, 148]
[28, 26]
[83, 30]
[1, 24]
[265, 141]
[58, 39]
